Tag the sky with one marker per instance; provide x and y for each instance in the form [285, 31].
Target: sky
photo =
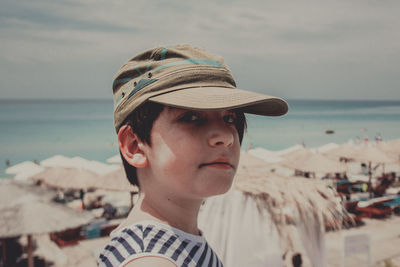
[311, 49]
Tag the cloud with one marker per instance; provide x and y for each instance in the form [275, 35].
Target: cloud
[298, 48]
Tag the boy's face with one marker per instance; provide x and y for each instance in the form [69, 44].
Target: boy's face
[193, 154]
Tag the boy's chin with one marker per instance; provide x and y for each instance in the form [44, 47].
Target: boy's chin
[218, 189]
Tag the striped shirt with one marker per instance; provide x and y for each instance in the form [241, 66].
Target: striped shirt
[149, 238]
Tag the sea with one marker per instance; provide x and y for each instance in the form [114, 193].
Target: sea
[33, 130]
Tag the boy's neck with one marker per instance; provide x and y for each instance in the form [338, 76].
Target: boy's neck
[174, 212]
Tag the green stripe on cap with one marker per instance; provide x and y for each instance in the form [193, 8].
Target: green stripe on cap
[207, 62]
[163, 53]
[141, 84]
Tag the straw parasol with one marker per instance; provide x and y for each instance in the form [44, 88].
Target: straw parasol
[115, 159]
[342, 151]
[79, 163]
[299, 208]
[27, 213]
[391, 147]
[327, 147]
[314, 162]
[66, 178]
[24, 169]
[289, 150]
[76, 178]
[370, 154]
[266, 155]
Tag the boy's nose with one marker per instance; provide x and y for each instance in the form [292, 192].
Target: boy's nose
[221, 136]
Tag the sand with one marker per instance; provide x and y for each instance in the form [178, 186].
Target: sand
[384, 243]
[384, 237]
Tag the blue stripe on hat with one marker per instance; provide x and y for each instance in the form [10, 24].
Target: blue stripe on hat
[163, 53]
[140, 85]
[207, 62]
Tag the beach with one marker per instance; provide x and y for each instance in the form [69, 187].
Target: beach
[384, 237]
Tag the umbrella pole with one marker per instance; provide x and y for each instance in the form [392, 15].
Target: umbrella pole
[30, 256]
[370, 179]
[82, 196]
[3, 246]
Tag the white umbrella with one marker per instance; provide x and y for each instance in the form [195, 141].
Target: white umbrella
[79, 163]
[314, 162]
[27, 212]
[365, 153]
[266, 155]
[369, 154]
[115, 159]
[289, 150]
[327, 147]
[24, 170]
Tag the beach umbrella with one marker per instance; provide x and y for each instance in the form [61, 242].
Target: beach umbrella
[342, 151]
[74, 178]
[67, 178]
[115, 159]
[308, 161]
[297, 207]
[369, 154]
[79, 163]
[327, 147]
[289, 150]
[28, 213]
[293, 154]
[365, 153]
[24, 170]
[266, 155]
[56, 161]
[391, 147]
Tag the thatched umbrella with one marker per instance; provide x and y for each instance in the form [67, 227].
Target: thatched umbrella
[327, 147]
[77, 178]
[308, 161]
[115, 159]
[27, 213]
[81, 179]
[342, 151]
[391, 147]
[66, 178]
[370, 154]
[299, 208]
[24, 169]
[266, 155]
[289, 150]
[79, 163]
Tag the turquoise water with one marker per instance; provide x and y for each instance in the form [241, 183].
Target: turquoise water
[38, 129]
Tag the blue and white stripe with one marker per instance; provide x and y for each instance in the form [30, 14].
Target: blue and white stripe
[156, 239]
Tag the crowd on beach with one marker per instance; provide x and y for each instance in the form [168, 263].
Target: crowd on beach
[342, 184]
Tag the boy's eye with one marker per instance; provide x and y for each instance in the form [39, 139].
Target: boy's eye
[230, 118]
[190, 117]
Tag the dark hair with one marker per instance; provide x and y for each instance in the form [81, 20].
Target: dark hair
[141, 121]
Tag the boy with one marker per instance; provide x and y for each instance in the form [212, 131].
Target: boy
[180, 123]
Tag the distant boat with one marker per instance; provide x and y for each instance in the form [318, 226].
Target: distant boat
[329, 131]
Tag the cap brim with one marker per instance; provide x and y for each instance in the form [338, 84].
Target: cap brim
[215, 98]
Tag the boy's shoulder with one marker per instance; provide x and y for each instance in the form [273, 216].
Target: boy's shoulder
[154, 239]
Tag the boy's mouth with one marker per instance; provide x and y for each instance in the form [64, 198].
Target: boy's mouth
[220, 163]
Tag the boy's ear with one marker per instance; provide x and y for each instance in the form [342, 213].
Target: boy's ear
[131, 147]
